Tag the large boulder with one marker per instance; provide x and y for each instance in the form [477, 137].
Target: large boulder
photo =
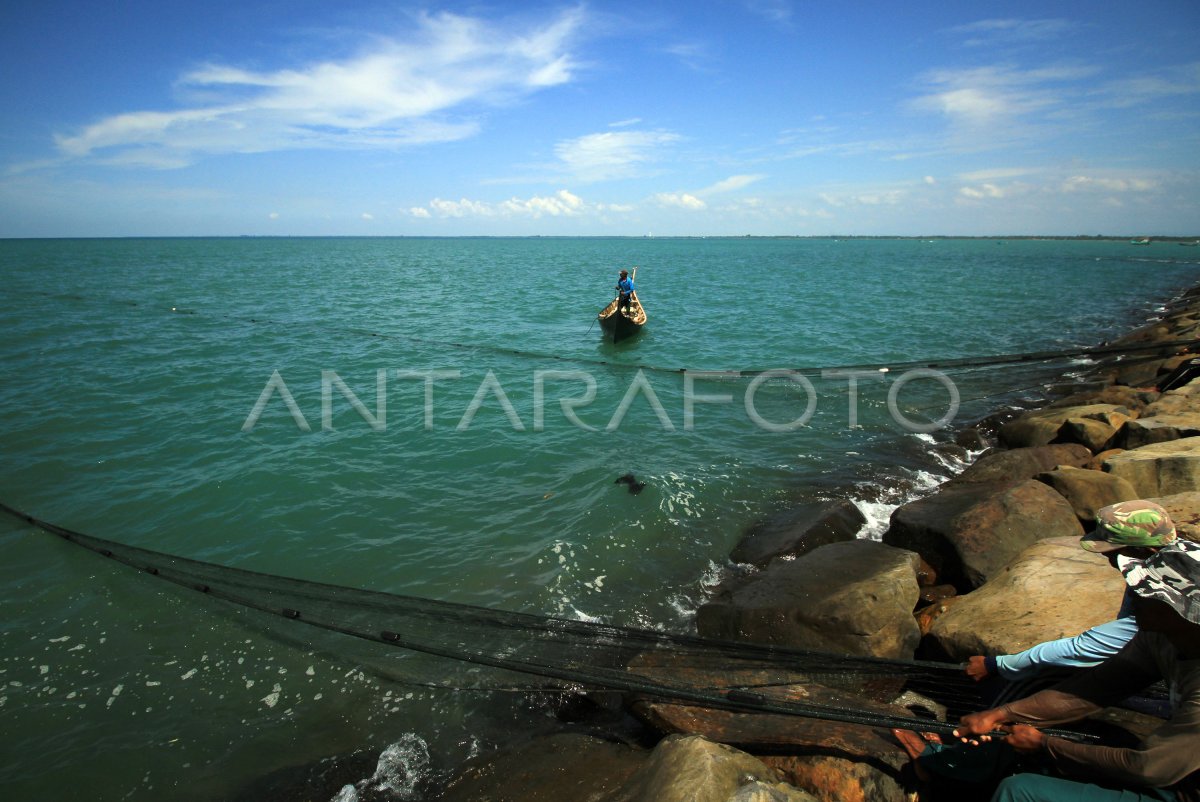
[1161, 469]
[799, 529]
[832, 777]
[1134, 399]
[836, 762]
[1144, 372]
[855, 597]
[1184, 509]
[1160, 428]
[1094, 434]
[1153, 332]
[969, 532]
[1023, 463]
[832, 761]
[1040, 427]
[1087, 490]
[1180, 401]
[689, 768]
[1054, 589]
[570, 766]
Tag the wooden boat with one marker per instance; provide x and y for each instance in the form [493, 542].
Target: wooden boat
[625, 323]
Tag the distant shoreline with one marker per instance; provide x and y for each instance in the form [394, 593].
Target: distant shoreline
[1133, 239]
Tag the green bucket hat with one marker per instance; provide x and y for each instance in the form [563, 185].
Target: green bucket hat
[1130, 524]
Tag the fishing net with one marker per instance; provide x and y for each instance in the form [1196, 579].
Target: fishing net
[577, 656]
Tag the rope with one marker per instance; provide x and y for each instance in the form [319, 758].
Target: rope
[577, 653]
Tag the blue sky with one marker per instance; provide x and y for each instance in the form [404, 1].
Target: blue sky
[601, 118]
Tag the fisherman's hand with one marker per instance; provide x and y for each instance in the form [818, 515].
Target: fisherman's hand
[1024, 738]
[977, 668]
[974, 727]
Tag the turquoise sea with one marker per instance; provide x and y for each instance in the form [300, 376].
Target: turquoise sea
[441, 418]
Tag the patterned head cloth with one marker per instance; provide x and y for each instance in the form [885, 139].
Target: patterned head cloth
[1171, 575]
[1130, 523]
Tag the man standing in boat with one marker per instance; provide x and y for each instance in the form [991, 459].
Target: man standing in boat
[624, 291]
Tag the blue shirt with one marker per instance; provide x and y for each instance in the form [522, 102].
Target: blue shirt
[1086, 649]
[625, 286]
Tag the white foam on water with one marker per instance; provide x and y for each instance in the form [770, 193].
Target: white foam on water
[401, 767]
[878, 513]
[687, 601]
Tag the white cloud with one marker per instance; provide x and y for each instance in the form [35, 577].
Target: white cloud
[997, 173]
[866, 197]
[981, 192]
[461, 208]
[561, 204]
[397, 92]
[681, 200]
[693, 201]
[1083, 183]
[992, 32]
[731, 184]
[612, 154]
[983, 96]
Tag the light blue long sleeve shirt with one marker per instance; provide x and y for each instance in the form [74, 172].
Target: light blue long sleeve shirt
[1085, 649]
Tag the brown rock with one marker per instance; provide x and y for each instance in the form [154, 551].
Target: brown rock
[1184, 509]
[830, 778]
[855, 763]
[1152, 332]
[1040, 427]
[1096, 463]
[1022, 463]
[569, 766]
[970, 531]
[927, 615]
[1088, 490]
[1093, 434]
[1054, 589]
[926, 574]
[1142, 371]
[1158, 428]
[936, 593]
[832, 761]
[1180, 401]
[689, 768]
[845, 598]
[1161, 469]
[1135, 399]
[798, 530]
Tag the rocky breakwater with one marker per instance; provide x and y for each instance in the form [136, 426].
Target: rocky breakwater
[989, 563]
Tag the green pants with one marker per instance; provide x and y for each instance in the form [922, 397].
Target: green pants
[1040, 788]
